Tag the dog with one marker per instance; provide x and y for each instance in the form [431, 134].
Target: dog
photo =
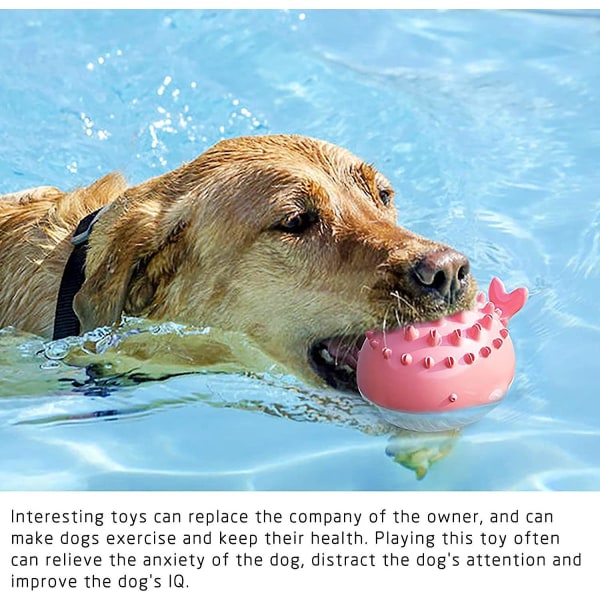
[289, 240]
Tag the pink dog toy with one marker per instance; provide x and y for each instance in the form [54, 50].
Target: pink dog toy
[444, 374]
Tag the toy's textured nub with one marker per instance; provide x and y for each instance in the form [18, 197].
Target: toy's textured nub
[443, 374]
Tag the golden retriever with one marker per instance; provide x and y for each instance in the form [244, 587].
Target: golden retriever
[289, 240]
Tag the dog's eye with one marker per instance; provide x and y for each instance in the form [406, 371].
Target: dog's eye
[385, 196]
[297, 222]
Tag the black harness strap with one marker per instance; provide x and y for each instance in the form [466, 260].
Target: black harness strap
[66, 322]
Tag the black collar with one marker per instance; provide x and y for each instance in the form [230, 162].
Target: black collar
[66, 322]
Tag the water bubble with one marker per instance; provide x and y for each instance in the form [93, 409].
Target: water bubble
[56, 350]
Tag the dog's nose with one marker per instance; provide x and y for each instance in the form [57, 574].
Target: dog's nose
[442, 271]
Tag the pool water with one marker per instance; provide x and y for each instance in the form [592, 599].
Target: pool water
[488, 125]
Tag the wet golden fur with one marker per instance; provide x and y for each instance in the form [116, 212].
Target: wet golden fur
[206, 244]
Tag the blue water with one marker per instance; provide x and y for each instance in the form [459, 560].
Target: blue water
[488, 125]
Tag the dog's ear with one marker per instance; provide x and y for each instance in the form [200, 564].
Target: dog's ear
[133, 250]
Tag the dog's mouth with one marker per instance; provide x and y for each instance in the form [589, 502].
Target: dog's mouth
[334, 360]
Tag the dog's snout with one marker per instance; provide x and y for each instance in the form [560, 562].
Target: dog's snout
[442, 271]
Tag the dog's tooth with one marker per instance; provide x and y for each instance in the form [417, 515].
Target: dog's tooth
[348, 369]
[326, 356]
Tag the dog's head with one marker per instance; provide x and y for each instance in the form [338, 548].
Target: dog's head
[290, 240]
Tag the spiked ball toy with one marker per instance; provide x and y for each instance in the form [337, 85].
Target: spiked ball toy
[443, 374]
